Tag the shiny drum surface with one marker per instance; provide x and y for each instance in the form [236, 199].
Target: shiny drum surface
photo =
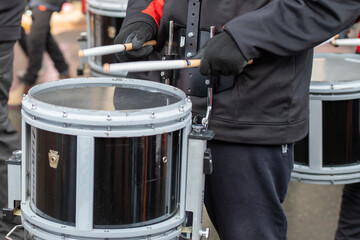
[330, 154]
[104, 22]
[105, 153]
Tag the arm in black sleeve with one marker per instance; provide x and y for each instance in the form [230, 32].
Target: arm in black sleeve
[285, 27]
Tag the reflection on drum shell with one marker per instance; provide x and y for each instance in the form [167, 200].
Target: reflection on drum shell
[136, 180]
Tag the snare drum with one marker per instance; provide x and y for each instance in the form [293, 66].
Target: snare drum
[104, 158]
[330, 154]
[104, 19]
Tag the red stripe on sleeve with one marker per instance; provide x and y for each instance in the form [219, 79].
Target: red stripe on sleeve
[155, 10]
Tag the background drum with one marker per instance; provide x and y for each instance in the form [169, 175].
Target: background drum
[104, 158]
[331, 152]
[104, 19]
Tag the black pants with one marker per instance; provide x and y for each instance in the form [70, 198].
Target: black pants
[40, 39]
[349, 220]
[9, 139]
[243, 196]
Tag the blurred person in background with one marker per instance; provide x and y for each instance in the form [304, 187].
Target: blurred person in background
[40, 39]
[10, 31]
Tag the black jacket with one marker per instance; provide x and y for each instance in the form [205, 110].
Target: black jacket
[10, 19]
[269, 102]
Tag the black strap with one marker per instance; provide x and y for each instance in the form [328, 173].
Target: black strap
[192, 28]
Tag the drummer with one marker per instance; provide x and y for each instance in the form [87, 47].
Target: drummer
[259, 117]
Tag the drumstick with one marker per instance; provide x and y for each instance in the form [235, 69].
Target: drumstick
[345, 42]
[144, 66]
[116, 48]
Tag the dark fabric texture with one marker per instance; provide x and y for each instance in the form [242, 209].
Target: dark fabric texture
[269, 101]
[349, 219]
[221, 55]
[39, 40]
[247, 186]
[137, 34]
[10, 19]
[9, 139]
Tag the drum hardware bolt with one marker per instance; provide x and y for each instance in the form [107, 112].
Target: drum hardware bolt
[162, 73]
[33, 106]
[207, 82]
[181, 108]
[181, 119]
[108, 117]
[190, 34]
[188, 99]
[63, 226]
[205, 233]
[189, 55]
[189, 90]
[164, 159]
[33, 216]
[65, 125]
[106, 230]
[152, 126]
[109, 128]
[34, 118]
[149, 227]
[152, 115]
[24, 96]
[64, 114]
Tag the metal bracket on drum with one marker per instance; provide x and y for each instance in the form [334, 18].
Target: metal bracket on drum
[14, 186]
[199, 164]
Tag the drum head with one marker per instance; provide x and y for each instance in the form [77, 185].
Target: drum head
[111, 97]
[107, 104]
[335, 73]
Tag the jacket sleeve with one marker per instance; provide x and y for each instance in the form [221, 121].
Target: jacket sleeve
[149, 11]
[285, 27]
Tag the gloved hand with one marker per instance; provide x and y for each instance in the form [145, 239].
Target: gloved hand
[221, 55]
[136, 33]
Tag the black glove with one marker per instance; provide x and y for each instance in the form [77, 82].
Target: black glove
[221, 55]
[136, 33]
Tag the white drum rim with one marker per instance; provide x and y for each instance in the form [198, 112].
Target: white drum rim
[318, 89]
[150, 230]
[170, 114]
[111, 5]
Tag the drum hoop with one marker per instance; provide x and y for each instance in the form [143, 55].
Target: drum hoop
[112, 6]
[349, 86]
[107, 131]
[175, 112]
[175, 221]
